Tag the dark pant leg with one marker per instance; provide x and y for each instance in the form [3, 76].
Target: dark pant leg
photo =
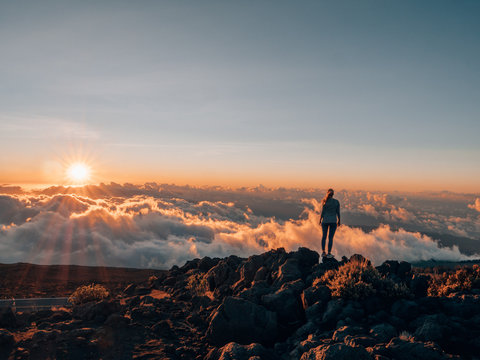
[324, 235]
[331, 233]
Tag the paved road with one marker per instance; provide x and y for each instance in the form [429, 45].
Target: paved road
[33, 304]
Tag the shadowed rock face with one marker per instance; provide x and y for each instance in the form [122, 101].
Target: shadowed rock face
[242, 321]
[275, 305]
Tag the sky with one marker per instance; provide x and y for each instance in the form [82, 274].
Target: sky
[373, 95]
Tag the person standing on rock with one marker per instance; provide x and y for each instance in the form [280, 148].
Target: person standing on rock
[328, 220]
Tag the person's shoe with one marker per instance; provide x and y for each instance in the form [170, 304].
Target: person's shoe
[330, 256]
[324, 254]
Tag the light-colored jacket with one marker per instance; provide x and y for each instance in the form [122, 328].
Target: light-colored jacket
[330, 211]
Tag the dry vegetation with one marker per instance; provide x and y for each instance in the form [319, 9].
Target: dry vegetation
[464, 279]
[358, 279]
[86, 293]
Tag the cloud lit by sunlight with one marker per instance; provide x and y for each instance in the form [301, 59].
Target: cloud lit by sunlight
[161, 225]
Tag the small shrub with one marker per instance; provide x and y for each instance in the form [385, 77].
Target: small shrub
[358, 279]
[462, 280]
[86, 293]
[198, 284]
[405, 335]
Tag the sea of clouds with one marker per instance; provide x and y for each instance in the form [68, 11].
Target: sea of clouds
[159, 225]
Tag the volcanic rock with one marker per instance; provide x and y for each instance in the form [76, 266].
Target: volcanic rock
[400, 349]
[234, 351]
[242, 321]
[336, 352]
[96, 311]
[7, 318]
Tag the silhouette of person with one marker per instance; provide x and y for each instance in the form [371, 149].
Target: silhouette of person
[328, 220]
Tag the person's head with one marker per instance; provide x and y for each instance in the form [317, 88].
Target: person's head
[329, 195]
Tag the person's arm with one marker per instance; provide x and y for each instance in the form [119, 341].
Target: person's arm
[338, 213]
[321, 215]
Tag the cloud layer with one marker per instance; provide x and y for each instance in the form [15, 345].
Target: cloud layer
[161, 225]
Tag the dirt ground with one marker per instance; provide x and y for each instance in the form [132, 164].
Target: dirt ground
[22, 280]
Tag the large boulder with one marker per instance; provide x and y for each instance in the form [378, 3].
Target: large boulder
[395, 270]
[234, 351]
[256, 291]
[340, 334]
[419, 285]
[336, 352]
[431, 328]
[7, 318]
[313, 294]
[288, 271]
[306, 259]
[274, 258]
[383, 333]
[6, 343]
[242, 321]
[286, 303]
[330, 263]
[224, 273]
[405, 309]
[207, 263]
[352, 310]
[401, 349]
[249, 268]
[333, 310]
[96, 311]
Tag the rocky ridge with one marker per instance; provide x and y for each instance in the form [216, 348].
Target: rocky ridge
[277, 305]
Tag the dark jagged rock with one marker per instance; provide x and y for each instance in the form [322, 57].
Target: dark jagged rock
[306, 259]
[6, 343]
[224, 274]
[256, 291]
[207, 263]
[405, 309]
[249, 269]
[359, 340]
[242, 321]
[96, 311]
[318, 293]
[396, 270]
[336, 352]
[234, 351]
[334, 308]
[288, 271]
[340, 334]
[419, 285]
[401, 349]
[129, 289]
[383, 332]
[275, 305]
[330, 263]
[7, 318]
[286, 303]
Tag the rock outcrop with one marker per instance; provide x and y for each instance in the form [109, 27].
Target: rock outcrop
[276, 305]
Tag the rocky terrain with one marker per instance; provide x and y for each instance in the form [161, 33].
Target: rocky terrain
[277, 305]
[24, 280]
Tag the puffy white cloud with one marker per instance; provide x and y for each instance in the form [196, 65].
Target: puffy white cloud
[475, 205]
[158, 226]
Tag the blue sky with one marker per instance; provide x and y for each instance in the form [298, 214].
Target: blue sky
[358, 94]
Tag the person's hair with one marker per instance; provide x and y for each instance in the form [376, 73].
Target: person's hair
[327, 196]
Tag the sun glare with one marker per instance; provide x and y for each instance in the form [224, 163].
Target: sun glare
[78, 173]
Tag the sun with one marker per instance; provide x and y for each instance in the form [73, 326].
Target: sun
[78, 173]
